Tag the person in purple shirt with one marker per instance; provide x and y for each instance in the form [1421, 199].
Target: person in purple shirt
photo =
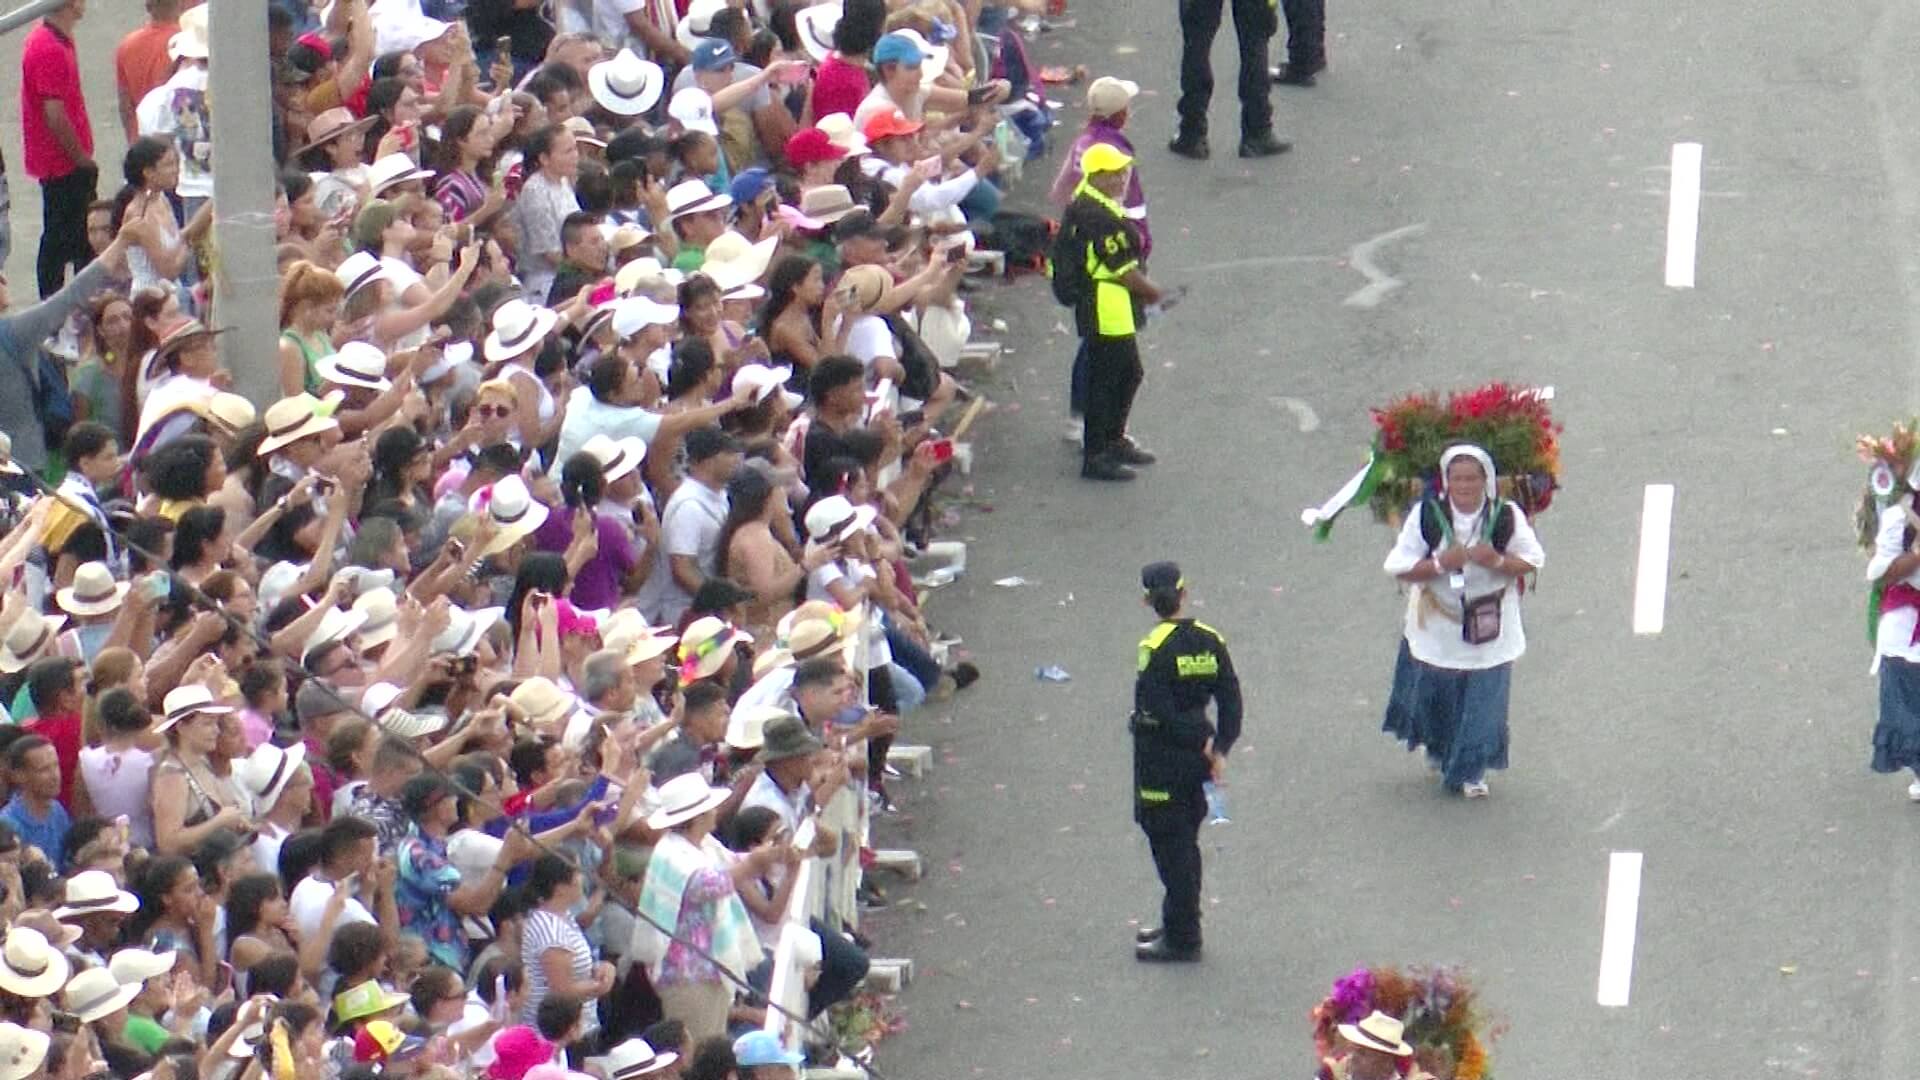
[614, 569]
[1108, 102]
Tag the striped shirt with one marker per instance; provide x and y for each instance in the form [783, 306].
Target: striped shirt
[544, 931]
[459, 194]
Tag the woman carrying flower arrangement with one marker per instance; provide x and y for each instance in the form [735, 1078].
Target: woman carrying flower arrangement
[1890, 531]
[1463, 552]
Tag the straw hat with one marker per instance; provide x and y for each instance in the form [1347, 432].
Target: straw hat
[184, 701]
[694, 197]
[22, 1050]
[815, 25]
[684, 798]
[747, 725]
[95, 994]
[359, 270]
[176, 337]
[357, 363]
[136, 966]
[840, 128]
[1378, 1032]
[465, 629]
[518, 328]
[644, 273]
[91, 892]
[229, 411]
[515, 513]
[31, 636]
[705, 646]
[333, 124]
[626, 85]
[30, 967]
[632, 1059]
[407, 724]
[93, 592]
[294, 418]
[382, 618]
[267, 771]
[833, 519]
[583, 131]
[617, 457]
[827, 203]
[865, 288]
[395, 168]
[193, 42]
[543, 701]
[732, 259]
[335, 626]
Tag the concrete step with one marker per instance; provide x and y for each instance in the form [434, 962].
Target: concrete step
[914, 761]
[902, 861]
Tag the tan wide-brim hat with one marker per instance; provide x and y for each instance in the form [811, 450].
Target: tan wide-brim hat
[684, 798]
[1378, 1032]
[93, 592]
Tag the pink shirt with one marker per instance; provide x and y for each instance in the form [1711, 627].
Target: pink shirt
[256, 726]
[838, 87]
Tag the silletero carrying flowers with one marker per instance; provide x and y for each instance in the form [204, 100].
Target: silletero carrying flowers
[1889, 531]
[1458, 481]
[1421, 1023]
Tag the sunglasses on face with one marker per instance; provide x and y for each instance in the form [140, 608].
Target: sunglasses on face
[484, 411]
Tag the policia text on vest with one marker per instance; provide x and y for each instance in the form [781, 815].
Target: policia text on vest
[1183, 665]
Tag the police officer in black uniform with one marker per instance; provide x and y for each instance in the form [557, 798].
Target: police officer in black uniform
[1254, 23]
[1306, 42]
[1176, 749]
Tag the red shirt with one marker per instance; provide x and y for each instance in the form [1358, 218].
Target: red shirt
[141, 62]
[64, 733]
[838, 87]
[50, 71]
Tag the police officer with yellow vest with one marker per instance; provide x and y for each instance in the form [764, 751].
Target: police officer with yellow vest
[1176, 749]
[1107, 314]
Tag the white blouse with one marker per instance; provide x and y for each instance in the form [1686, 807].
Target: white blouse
[1432, 636]
[1894, 635]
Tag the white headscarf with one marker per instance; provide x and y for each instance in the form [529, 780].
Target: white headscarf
[1467, 450]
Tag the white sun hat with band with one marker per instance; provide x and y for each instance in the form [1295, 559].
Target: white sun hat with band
[93, 892]
[518, 328]
[626, 85]
[93, 592]
[184, 701]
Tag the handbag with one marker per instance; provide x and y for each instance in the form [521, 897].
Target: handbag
[1480, 618]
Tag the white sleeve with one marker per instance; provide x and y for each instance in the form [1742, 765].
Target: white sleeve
[680, 532]
[1524, 544]
[1888, 543]
[929, 200]
[1409, 547]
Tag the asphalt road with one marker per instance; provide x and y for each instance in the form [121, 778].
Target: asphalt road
[1519, 152]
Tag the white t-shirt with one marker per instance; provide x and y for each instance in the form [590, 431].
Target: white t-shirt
[309, 903]
[869, 339]
[878, 101]
[588, 416]
[690, 525]
[117, 782]
[266, 850]
[854, 573]
[177, 109]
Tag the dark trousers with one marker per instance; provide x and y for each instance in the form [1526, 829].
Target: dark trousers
[1113, 376]
[63, 229]
[1306, 33]
[842, 965]
[1253, 25]
[1077, 384]
[1175, 844]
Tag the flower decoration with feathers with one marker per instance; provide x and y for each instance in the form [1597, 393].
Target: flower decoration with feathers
[1893, 477]
[1439, 1007]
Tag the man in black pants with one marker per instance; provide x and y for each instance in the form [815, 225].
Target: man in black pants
[1106, 245]
[1254, 22]
[59, 143]
[1306, 42]
[1183, 664]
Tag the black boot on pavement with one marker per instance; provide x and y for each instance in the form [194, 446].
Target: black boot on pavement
[1190, 146]
[1128, 452]
[1292, 75]
[1147, 935]
[1263, 144]
[1105, 467]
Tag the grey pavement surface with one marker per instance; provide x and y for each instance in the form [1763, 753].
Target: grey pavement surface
[1776, 934]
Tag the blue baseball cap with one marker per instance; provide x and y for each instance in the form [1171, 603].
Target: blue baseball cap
[749, 184]
[757, 1048]
[712, 54]
[897, 49]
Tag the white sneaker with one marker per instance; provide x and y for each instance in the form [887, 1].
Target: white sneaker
[1076, 432]
[1913, 791]
[1475, 790]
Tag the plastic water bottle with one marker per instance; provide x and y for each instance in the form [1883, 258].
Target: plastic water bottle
[1216, 803]
[1052, 673]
